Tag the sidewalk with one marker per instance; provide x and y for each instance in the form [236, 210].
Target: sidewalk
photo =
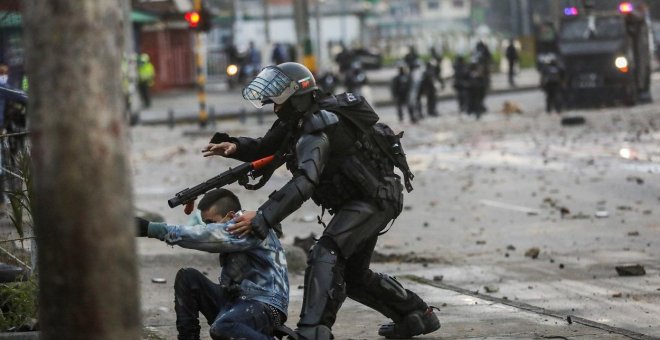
[182, 106]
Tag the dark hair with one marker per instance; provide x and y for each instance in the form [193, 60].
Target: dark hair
[224, 200]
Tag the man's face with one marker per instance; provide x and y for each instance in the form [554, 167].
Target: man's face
[211, 215]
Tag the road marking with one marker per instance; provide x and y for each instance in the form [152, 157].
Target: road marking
[531, 308]
[507, 206]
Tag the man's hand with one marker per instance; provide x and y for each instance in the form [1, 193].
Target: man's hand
[242, 226]
[259, 226]
[223, 149]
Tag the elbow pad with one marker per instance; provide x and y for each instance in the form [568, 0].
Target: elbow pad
[283, 202]
[312, 151]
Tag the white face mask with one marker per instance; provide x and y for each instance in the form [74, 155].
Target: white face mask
[3, 79]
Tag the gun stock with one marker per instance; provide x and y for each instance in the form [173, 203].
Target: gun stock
[228, 177]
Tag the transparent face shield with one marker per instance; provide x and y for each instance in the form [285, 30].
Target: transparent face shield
[270, 85]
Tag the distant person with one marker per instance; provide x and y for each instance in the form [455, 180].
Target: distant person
[411, 58]
[437, 57]
[512, 58]
[552, 80]
[253, 60]
[280, 54]
[328, 82]
[344, 58]
[485, 59]
[252, 297]
[146, 79]
[427, 89]
[399, 88]
[355, 78]
[461, 75]
[476, 89]
[414, 89]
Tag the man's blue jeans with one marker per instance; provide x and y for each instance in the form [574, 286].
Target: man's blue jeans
[229, 318]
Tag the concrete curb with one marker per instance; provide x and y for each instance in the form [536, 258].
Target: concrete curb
[193, 117]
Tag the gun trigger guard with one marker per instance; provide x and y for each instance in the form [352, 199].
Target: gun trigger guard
[243, 180]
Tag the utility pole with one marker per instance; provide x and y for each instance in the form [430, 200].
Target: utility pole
[317, 15]
[301, 15]
[82, 194]
[199, 71]
[266, 5]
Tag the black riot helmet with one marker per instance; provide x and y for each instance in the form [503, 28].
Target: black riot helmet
[276, 84]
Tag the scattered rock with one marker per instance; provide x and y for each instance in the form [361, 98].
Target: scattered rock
[561, 266]
[570, 321]
[563, 211]
[572, 121]
[426, 224]
[481, 242]
[633, 233]
[602, 214]
[510, 247]
[635, 179]
[492, 289]
[438, 278]
[630, 270]
[308, 218]
[407, 207]
[617, 295]
[533, 252]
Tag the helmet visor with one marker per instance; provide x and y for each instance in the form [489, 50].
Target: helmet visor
[270, 85]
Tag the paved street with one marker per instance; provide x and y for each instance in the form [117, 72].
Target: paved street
[486, 192]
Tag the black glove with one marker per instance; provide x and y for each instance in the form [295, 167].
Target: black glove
[260, 226]
[142, 227]
[219, 137]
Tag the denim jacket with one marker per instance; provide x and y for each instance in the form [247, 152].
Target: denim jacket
[257, 267]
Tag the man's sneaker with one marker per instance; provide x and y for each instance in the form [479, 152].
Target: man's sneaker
[415, 323]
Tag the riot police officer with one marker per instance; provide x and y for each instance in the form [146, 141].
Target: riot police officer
[552, 79]
[335, 163]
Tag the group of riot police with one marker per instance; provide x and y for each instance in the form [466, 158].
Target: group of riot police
[412, 83]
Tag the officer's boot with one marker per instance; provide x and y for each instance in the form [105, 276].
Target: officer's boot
[325, 291]
[411, 315]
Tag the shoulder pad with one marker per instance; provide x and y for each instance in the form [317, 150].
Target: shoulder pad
[349, 99]
[319, 120]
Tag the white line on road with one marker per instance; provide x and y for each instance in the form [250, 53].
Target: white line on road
[510, 207]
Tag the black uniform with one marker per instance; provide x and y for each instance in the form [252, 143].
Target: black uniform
[552, 79]
[400, 87]
[427, 89]
[335, 163]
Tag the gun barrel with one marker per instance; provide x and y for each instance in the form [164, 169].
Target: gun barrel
[230, 176]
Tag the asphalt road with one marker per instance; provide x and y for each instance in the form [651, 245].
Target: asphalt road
[486, 192]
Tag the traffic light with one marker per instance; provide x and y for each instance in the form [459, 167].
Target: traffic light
[199, 20]
[193, 18]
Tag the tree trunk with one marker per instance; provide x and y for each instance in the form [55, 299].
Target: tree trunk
[83, 204]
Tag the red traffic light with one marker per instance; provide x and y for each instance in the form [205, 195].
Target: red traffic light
[193, 19]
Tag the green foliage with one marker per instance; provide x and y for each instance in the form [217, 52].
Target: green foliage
[19, 300]
[19, 192]
[18, 304]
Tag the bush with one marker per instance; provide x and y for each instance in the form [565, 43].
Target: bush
[18, 305]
